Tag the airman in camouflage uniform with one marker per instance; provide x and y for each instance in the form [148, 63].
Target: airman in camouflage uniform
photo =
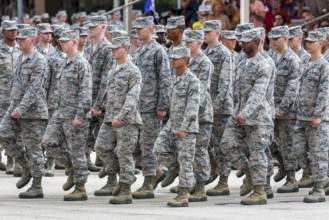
[44, 35]
[9, 53]
[201, 66]
[45, 48]
[295, 43]
[135, 44]
[118, 135]
[98, 54]
[109, 29]
[268, 58]
[312, 127]
[69, 123]
[27, 114]
[221, 94]
[175, 29]
[240, 28]
[285, 92]
[175, 145]
[153, 62]
[251, 124]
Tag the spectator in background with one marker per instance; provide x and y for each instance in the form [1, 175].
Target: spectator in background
[236, 16]
[279, 19]
[190, 8]
[203, 15]
[257, 13]
[324, 23]
[218, 13]
[269, 16]
[310, 27]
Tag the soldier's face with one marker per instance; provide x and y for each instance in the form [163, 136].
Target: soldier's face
[172, 33]
[66, 45]
[144, 32]
[10, 34]
[118, 53]
[294, 42]
[82, 40]
[210, 36]
[44, 37]
[230, 44]
[193, 46]
[108, 36]
[312, 47]
[279, 43]
[178, 62]
[25, 44]
[96, 31]
[136, 42]
[248, 47]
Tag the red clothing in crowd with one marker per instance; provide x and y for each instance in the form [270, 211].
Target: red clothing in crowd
[269, 19]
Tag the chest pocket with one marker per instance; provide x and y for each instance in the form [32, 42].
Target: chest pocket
[313, 77]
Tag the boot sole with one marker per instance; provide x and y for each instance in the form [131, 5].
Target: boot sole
[290, 191]
[24, 184]
[168, 184]
[49, 175]
[68, 188]
[83, 198]
[177, 205]
[327, 193]
[31, 197]
[17, 175]
[204, 199]
[143, 197]
[313, 201]
[211, 179]
[162, 177]
[9, 173]
[218, 194]
[102, 194]
[120, 202]
[270, 196]
[94, 170]
[279, 179]
[258, 203]
[306, 186]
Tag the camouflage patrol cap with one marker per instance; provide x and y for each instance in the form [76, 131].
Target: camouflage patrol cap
[193, 35]
[96, 20]
[5, 17]
[262, 32]
[44, 15]
[250, 35]
[9, 25]
[212, 25]
[143, 22]
[314, 36]
[82, 14]
[55, 26]
[154, 34]
[21, 26]
[111, 27]
[123, 41]
[27, 32]
[69, 35]
[159, 28]
[36, 18]
[58, 30]
[279, 31]
[133, 33]
[82, 31]
[295, 32]
[101, 11]
[174, 22]
[44, 28]
[230, 35]
[243, 27]
[61, 13]
[324, 30]
[180, 52]
[119, 33]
